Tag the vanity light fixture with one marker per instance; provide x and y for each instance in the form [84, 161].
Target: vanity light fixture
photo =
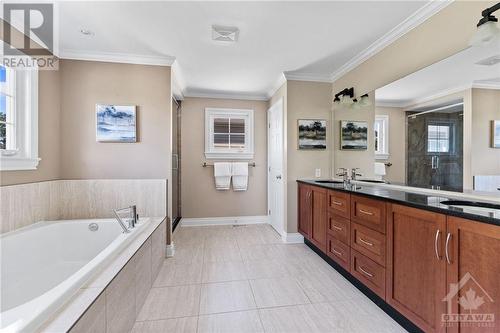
[344, 97]
[487, 28]
[365, 100]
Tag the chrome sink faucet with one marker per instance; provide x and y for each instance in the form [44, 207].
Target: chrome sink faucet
[344, 173]
[355, 174]
[132, 220]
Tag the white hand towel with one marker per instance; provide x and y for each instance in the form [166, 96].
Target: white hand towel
[379, 170]
[240, 176]
[222, 175]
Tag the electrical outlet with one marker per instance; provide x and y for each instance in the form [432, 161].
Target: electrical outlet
[317, 173]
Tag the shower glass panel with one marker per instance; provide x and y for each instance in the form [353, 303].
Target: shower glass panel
[435, 149]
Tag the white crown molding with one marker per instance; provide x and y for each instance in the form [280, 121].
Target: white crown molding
[178, 83]
[224, 95]
[125, 58]
[312, 77]
[231, 220]
[389, 104]
[275, 87]
[443, 93]
[417, 18]
[486, 85]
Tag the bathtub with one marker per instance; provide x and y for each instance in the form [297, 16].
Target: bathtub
[44, 265]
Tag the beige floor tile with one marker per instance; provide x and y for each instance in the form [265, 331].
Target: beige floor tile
[233, 322]
[262, 269]
[187, 254]
[321, 287]
[321, 317]
[223, 271]
[177, 325]
[178, 274]
[259, 252]
[222, 253]
[277, 292]
[226, 297]
[171, 302]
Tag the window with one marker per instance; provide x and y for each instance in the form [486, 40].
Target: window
[228, 134]
[381, 132]
[438, 138]
[18, 119]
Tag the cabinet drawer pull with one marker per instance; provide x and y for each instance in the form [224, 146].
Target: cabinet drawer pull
[336, 252]
[365, 272]
[365, 242]
[365, 212]
[338, 228]
[448, 237]
[336, 203]
[436, 240]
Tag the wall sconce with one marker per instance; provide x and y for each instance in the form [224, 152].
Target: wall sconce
[346, 98]
[487, 28]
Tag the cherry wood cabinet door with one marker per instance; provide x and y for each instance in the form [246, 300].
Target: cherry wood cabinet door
[416, 268]
[319, 217]
[305, 210]
[474, 266]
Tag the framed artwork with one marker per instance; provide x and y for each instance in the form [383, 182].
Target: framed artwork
[353, 135]
[116, 123]
[312, 134]
[495, 133]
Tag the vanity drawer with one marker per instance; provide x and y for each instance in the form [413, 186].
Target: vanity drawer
[339, 228]
[339, 252]
[368, 212]
[368, 272]
[339, 203]
[368, 242]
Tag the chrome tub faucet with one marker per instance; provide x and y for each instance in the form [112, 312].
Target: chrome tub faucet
[132, 220]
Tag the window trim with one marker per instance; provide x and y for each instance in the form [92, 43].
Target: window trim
[227, 153]
[384, 155]
[25, 157]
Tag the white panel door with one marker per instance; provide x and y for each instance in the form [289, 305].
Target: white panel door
[275, 166]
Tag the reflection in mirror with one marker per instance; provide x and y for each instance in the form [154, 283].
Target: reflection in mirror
[435, 127]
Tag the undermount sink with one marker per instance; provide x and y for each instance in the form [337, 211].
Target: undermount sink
[329, 181]
[472, 205]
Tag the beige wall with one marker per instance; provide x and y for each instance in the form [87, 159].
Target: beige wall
[49, 113]
[199, 197]
[485, 108]
[83, 85]
[397, 143]
[305, 100]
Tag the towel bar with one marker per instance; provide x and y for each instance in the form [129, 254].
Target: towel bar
[205, 164]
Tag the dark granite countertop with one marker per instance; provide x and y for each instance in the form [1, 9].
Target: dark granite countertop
[417, 200]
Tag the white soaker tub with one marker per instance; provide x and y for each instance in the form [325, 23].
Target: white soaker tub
[44, 265]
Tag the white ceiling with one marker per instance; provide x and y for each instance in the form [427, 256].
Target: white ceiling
[308, 40]
[445, 77]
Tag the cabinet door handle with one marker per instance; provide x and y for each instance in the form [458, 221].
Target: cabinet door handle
[436, 241]
[365, 272]
[365, 212]
[338, 228]
[365, 242]
[336, 203]
[448, 237]
[336, 252]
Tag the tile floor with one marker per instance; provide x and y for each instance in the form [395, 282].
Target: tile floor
[244, 279]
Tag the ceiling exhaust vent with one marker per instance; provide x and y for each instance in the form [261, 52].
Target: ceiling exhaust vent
[225, 34]
[490, 61]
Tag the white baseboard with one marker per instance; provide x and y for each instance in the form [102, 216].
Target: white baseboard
[292, 238]
[170, 250]
[231, 220]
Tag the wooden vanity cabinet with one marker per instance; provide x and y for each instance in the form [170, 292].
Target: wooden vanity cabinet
[368, 212]
[416, 268]
[313, 214]
[474, 263]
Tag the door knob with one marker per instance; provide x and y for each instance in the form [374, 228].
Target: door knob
[278, 177]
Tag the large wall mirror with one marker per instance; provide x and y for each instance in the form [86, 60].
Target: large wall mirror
[438, 126]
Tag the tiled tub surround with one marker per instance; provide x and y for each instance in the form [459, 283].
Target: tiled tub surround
[110, 302]
[22, 205]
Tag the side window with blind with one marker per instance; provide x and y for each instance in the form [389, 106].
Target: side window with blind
[228, 134]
